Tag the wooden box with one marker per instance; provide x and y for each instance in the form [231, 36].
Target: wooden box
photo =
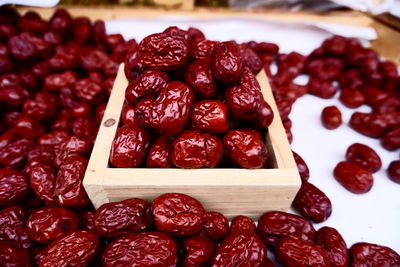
[230, 191]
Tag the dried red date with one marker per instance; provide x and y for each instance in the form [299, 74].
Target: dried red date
[302, 167]
[264, 117]
[143, 110]
[89, 91]
[242, 224]
[147, 85]
[197, 251]
[49, 223]
[325, 69]
[78, 249]
[43, 106]
[245, 148]
[199, 77]
[70, 147]
[227, 62]
[42, 181]
[391, 139]
[164, 51]
[160, 153]
[12, 226]
[351, 98]
[353, 177]
[86, 219]
[14, 153]
[312, 203]
[118, 218]
[300, 253]
[68, 190]
[241, 249]
[129, 146]
[14, 186]
[13, 256]
[58, 80]
[178, 214]
[245, 99]
[336, 45]
[202, 50]
[331, 117]
[321, 88]
[210, 116]
[274, 225]
[365, 156]
[369, 124]
[334, 245]
[129, 115]
[171, 108]
[394, 171]
[143, 249]
[368, 255]
[215, 227]
[250, 59]
[351, 79]
[193, 149]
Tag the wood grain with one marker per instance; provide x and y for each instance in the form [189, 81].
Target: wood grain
[230, 191]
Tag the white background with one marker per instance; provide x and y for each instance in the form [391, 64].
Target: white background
[372, 217]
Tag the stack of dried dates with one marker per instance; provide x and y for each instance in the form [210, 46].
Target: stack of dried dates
[190, 103]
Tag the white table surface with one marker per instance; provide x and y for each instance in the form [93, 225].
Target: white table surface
[372, 217]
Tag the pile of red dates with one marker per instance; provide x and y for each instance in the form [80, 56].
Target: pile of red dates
[190, 103]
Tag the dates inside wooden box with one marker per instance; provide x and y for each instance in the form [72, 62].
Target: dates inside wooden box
[231, 191]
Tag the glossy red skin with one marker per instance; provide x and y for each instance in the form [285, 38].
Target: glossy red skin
[12, 226]
[394, 171]
[92, 59]
[242, 224]
[65, 57]
[352, 98]
[129, 146]
[353, 177]
[54, 138]
[351, 79]
[133, 66]
[129, 115]
[147, 85]
[56, 81]
[369, 124]
[289, 66]
[164, 51]
[195, 35]
[216, 226]
[143, 249]
[78, 249]
[284, 107]
[28, 128]
[227, 62]
[391, 139]
[118, 218]
[264, 117]
[374, 95]
[86, 219]
[334, 245]
[321, 88]
[14, 186]
[325, 68]
[68, 190]
[89, 91]
[85, 127]
[210, 116]
[199, 77]
[178, 214]
[250, 59]
[274, 225]
[263, 47]
[193, 149]
[14, 153]
[245, 148]
[144, 110]
[42, 181]
[49, 223]
[372, 255]
[331, 117]
[40, 154]
[300, 253]
[160, 153]
[13, 256]
[244, 99]
[312, 203]
[387, 105]
[71, 147]
[304, 171]
[336, 45]
[202, 50]
[43, 106]
[171, 109]
[388, 70]
[241, 249]
[197, 251]
[364, 156]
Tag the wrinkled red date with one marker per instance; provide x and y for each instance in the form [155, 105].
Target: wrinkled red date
[331, 117]
[12, 226]
[245, 148]
[12, 255]
[365, 156]
[129, 146]
[226, 62]
[178, 214]
[143, 249]
[368, 255]
[118, 218]
[302, 167]
[242, 224]
[276, 224]
[14, 186]
[197, 251]
[210, 116]
[199, 77]
[160, 153]
[216, 226]
[394, 171]
[334, 245]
